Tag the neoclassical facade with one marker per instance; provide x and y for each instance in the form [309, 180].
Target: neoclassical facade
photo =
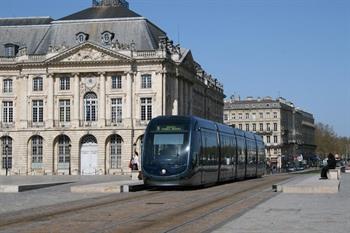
[77, 93]
[287, 131]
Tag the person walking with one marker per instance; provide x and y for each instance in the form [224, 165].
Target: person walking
[135, 162]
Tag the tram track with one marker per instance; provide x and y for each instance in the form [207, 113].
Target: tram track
[151, 211]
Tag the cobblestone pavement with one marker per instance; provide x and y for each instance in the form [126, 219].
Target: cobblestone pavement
[48, 196]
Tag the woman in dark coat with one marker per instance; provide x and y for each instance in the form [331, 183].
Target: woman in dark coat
[331, 164]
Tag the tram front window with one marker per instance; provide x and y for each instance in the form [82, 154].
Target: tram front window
[166, 147]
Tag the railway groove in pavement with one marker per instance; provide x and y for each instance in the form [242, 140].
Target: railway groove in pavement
[150, 211]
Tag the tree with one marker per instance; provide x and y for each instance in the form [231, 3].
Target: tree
[328, 141]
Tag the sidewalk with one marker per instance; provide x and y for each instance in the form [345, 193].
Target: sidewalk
[290, 213]
[50, 195]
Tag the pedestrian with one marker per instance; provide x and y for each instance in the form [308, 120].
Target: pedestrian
[135, 162]
[331, 164]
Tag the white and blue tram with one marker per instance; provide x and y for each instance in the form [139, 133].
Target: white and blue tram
[190, 151]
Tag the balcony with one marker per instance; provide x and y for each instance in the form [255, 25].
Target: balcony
[83, 123]
[114, 123]
[32, 124]
[7, 125]
[141, 123]
[265, 132]
[61, 124]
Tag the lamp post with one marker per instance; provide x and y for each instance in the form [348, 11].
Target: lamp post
[7, 157]
[70, 158]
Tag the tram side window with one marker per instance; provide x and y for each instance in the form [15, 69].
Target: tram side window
[226, 150]
[251, 152]
[261, 154]
[209, 155]
[233, 149]
[240, 151]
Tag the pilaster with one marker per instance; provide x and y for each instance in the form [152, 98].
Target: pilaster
[102, 101]
[76, 109]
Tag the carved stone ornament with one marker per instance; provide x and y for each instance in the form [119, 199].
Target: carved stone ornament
[89, 54]
[90, 82]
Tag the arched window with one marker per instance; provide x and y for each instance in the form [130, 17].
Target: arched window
[116, 151]
[37, 152]
[90, 106]
[88, 139]
[81, 37]
[107, 37]
[6, 152]
[63, 149]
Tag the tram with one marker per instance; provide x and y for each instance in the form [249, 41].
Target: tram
[190, 151]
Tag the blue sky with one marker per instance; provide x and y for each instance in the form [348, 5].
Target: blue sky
[297, 49]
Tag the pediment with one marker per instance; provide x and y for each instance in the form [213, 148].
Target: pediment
[88, 52]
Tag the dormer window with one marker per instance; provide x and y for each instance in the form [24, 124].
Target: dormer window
[82, 37]
[107, 37]
[11, 50]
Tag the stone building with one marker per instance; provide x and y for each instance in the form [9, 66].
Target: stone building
[288, 132]
[77, 93]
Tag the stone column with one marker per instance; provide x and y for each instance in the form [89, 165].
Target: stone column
[76, 109]
[176, 96]
[50, 101]
[102, 101]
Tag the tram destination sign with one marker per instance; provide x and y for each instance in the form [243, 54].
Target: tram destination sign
[171, 128]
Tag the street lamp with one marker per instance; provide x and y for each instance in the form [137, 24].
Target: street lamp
[7, 157]
[70, 157]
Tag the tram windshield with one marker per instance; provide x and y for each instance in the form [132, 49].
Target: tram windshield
[166, 146]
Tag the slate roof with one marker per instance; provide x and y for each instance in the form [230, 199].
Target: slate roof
[102, 13]
[38, 34]
[25, 21]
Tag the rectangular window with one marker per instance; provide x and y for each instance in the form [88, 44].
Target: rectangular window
[254, 127]
[116, 82]
[7, 111]
[275, 139]
[146, 109]
[240, 126]
[146, 81]
[37, 84]
[275, 115]
[64, 110]
[254, 116]
[268, 139]
[247, 127]
[268, 127]
[10, 51]
[225, 117]
[261, 125]
[261, 115]
[240, 116]
[117, 110]
[234, 116]
[268, 115]
[247, 116]
[275, 126]
[7, 86]
[38, 111]
[64, 83]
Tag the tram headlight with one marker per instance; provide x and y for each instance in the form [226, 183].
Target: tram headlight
[163, 171]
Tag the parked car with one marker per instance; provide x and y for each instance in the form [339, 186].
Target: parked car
[291, 169]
